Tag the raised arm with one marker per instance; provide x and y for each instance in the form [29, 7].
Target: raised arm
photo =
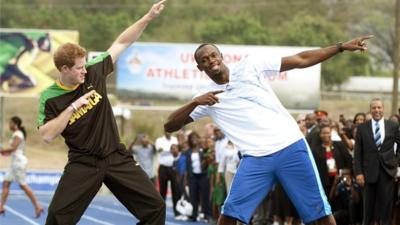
[181, 116]
[132, 33]
[312, 57]
[50, 130]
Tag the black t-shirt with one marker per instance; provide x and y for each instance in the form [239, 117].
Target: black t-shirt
[92, 130]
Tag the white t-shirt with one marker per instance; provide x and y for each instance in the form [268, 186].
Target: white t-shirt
[18, 159]
[230, 160]
[249, 113]
[165, 156]
[196, 163]
[220, 148]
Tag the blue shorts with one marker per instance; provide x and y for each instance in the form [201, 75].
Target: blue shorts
[294, 168]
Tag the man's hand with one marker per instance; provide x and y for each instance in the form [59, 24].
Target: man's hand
[156, 9]
[357, 44]
[83, 100]
[209, 98]
[360, 180]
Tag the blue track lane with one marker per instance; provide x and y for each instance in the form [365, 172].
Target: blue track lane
[104, 210]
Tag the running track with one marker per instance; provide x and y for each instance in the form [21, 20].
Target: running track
[104, 210]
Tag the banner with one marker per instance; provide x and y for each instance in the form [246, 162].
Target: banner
[160, 71]
[41, 182]
[26, 62]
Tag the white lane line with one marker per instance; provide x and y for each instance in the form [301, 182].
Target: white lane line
[96, 220]
[13, 211]
[118, 212]
[115, 211]
[84, 217]
[110, 210]
[172, 223]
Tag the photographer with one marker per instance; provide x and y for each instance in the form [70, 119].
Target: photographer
[346, 195]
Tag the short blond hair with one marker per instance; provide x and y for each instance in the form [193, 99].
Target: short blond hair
[66, 55]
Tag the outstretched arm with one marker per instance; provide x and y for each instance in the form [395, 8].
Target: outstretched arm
[181, 116]
[312, 57]
[132, 33]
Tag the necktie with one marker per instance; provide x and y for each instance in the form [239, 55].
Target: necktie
[378, 140]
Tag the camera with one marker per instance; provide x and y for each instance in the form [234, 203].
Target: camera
[344, 180]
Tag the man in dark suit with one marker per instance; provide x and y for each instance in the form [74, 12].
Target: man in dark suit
[312, 135]
[375, 164]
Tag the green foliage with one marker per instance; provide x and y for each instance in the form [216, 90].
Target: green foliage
[380, 22]
[232, 29]
[102, 29]
[307, 30]
[316, 23]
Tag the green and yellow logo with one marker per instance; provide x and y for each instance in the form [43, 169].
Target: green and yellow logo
[93, 100]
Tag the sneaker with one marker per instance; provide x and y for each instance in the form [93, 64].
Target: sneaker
[184, 218]
[178, 217]
[202, 219]
[181, 218]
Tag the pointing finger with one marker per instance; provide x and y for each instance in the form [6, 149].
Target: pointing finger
[214, 98]
[161, 2]
[367, 37]
[217, 92]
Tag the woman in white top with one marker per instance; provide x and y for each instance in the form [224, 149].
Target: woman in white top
[228, 165]
[17, 170]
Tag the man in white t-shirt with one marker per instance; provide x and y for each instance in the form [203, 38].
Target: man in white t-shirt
[166, 171]
[220, 143]
[245, 108]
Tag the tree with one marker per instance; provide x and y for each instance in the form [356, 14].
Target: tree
[232, 29]
[274, 22]
[307, 30]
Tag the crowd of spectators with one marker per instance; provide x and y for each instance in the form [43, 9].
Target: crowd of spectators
[199, 167]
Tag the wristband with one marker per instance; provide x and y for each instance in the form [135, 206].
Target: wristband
[339, 46]
[74, 107]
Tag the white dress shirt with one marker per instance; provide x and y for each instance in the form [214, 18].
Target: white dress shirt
[163, 146]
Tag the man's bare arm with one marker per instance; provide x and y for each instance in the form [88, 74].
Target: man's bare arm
[309, 58]
[181, 116]
[132, 33]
